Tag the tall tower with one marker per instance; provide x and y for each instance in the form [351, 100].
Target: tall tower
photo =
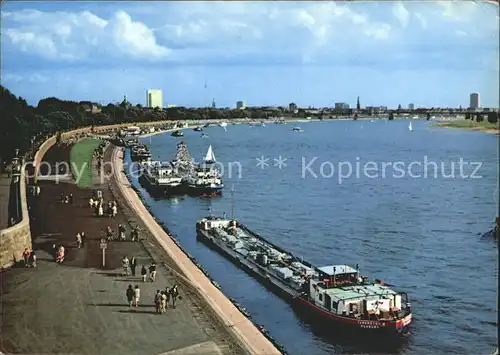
[474, 100]
[213, 103]
[358, 105]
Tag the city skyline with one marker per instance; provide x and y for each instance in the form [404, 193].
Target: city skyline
[428, 54]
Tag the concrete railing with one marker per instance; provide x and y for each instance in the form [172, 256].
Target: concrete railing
[15, 239]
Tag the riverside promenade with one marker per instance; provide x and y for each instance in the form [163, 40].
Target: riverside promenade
[79, 308]
[240, 325]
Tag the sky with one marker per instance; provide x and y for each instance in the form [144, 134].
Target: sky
[432, 54]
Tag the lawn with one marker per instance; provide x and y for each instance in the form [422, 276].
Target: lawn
[81, 161]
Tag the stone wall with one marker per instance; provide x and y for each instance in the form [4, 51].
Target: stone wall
[15, 239]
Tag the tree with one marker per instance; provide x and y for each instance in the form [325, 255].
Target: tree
[467, 116]
[492, 117]
[355, 116]
[479, 118]
[391, 116]
[428, 116]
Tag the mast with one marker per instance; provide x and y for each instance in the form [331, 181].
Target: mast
[232, 203]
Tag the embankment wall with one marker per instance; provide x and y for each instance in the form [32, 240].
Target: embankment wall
[15, 239]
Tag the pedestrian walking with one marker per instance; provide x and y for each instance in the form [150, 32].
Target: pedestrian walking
[26, 255]
[152, 272]
[78, 240]
[32, 259]
[137, 294]
[144, 273]
[164, 304]
[133, 265]
[130, 295]
[158, 305]
[82, 234]
[174, 294]
[125, 265]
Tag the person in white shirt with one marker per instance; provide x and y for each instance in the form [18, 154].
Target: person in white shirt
[137, 294]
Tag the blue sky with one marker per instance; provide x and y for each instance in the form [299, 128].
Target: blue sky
[266, 53]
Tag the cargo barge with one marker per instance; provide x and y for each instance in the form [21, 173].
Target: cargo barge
[337, 294]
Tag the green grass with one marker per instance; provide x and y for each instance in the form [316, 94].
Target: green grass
[81, 161]
[469, 124]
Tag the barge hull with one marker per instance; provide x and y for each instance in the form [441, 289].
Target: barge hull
[252, 269]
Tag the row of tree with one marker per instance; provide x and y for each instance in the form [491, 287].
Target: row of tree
[22, 125]
[491, 117]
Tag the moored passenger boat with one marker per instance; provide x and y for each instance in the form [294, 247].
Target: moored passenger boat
[205, 179]
[337, 293]
[140, 152]
[160, 178]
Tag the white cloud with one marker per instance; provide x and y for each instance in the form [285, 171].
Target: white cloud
[399, 11]
[421, 19]
[79, 35]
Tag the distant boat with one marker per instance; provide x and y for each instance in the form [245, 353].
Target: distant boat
[410, 128]
[203, 135]
[177, 134]
[297, 129]
[209, 157]
[198, 129]
[223, 125]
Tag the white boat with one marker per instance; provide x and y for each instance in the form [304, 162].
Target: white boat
[210, 156]
[297, 129]
[410, 128]
[161, 177]
[223, 125]
[205, 179]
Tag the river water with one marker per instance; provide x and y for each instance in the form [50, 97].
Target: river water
[416, 227]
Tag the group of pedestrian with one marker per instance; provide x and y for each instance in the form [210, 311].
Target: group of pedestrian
[130, 265]
[29, 258]
[161, 299]
[35, 190]
[134, 233]
[66, 198]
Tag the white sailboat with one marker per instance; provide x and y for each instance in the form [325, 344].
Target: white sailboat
[209, 157]
[223, 125]
[410, 128]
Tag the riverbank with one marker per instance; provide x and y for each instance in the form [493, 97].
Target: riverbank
[484, 126]
[78, 306]
[237, 323]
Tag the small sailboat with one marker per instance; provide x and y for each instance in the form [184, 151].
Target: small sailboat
[410, 128]
[223, 125]
[210, 156]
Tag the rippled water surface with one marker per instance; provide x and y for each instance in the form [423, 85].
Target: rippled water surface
[420, 234]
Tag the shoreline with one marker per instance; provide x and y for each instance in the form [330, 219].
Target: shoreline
[449, 124]
[244, 331]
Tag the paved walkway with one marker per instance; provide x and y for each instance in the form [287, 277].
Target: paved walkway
[4, 200]
[243, 328]
[79, 308]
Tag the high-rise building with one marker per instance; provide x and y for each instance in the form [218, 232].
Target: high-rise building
[154, 98]
[474, 100]
[411, 107]
[341, 106]
[358, 105]
[240, 105]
